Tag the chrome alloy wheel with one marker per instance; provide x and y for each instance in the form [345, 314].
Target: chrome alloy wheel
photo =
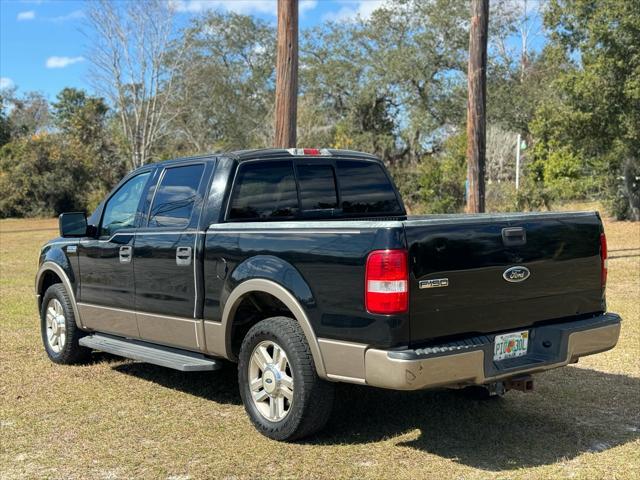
[271, 381]
[56, 325]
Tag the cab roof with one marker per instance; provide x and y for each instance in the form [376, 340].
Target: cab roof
[269, 154]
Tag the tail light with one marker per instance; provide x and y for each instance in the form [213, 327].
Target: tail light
[603, 260]
[387, 282]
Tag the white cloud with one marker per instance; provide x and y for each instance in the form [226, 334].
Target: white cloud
[5, 82]
[352, 10]
[76, 14]
[238, 6]
[61, 62]
[305, 5]
[27, 15]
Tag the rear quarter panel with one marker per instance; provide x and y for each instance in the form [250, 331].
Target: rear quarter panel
[323, 267]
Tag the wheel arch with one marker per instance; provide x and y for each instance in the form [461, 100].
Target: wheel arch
[47, 274]
[283, 295]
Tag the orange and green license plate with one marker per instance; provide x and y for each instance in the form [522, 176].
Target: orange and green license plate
[510, 345]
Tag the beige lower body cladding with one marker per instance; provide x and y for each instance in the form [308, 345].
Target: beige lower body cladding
[355, 363]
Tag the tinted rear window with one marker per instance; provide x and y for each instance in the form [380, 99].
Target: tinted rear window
[317, 187]
[264, 190]
[364, 188]
[173, 202]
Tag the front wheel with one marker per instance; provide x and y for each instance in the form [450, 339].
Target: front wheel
[279, 386]
[60, 334]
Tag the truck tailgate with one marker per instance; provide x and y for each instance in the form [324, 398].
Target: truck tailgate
[460, 283]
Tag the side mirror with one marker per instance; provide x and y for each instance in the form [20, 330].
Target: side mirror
[73, 224]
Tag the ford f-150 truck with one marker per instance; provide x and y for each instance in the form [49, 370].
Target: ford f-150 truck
[303, 267]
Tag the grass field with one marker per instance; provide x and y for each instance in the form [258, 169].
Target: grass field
[115, 418]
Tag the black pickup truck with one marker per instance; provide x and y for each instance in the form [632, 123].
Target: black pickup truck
[303, 267]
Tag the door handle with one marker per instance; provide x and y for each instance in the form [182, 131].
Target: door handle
[125, 254]
[183, 256]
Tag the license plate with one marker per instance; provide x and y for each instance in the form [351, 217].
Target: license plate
[510, 345]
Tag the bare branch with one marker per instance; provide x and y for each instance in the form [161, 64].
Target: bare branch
[130, 68]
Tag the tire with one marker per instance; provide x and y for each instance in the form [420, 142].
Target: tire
[311, 398]
[66, 350]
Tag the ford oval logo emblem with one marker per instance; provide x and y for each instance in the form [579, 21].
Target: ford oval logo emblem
[516, 274]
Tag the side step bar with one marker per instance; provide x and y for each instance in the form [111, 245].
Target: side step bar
[175, 358]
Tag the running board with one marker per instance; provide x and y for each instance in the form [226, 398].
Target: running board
[175, 358]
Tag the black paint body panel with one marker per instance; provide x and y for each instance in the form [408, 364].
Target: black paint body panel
[324, 271]
[162, 286]
[562, 253]
[106, 281]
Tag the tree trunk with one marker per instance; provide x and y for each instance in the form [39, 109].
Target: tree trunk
[476, 105]
[286, 74]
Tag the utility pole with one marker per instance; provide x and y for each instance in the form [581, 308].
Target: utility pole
[525, 30]
[286, 74]
[476, 105]
[519, 142]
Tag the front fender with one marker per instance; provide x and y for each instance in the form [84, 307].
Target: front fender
[55, 259]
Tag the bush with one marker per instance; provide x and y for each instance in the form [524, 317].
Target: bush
[38, 177]
[441, 178]
[564, 176]
[501, 197]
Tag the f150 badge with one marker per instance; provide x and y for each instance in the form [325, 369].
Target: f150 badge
[516, 274]
[435, 283]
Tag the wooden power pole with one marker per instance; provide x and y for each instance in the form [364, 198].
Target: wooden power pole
[286, 74]
[476, 105]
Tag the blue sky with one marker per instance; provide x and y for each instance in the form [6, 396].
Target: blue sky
[43, 43]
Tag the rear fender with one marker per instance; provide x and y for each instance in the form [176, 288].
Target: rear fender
[276, 277]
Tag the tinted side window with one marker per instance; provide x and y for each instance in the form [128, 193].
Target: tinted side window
[264, 190]
[317, 187]
[364, 188]
[120, 211]
[174, 200]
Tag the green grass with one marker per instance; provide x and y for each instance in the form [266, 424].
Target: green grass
[115, 418]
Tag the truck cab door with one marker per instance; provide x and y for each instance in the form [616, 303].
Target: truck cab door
[106, 299]
[165, 259]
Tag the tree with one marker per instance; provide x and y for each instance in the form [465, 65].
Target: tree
[83, 124]
[595, 116]
[5, 123]
[38, 176]
[133, 70]
[404, 66]
[29, 113]
[224, 100]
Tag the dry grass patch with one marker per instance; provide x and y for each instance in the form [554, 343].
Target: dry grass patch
[115, 418]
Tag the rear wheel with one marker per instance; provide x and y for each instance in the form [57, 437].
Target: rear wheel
[279, 386]
[60, 334]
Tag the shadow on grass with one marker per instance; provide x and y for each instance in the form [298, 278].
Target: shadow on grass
[220, 386]
[572, 411]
